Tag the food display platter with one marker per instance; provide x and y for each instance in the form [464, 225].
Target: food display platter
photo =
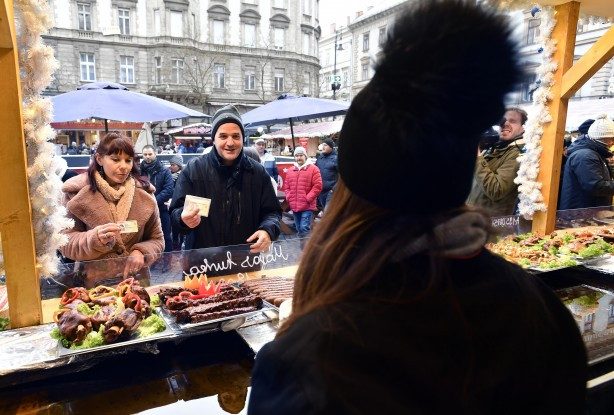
[132, 340]
[224, 323]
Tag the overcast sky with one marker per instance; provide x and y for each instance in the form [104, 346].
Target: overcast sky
[336, 11]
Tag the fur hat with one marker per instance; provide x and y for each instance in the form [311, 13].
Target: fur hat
[177, 159]
[225, 115]
[603, 127]
[445, 69]
[300, 150]
[583, 128]
[260, 140]
[329, 142]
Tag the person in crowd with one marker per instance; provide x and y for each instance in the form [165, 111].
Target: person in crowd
[208, 142]
[302, 186]
[179, 148]
[497, 167]
[253, 153]
[112, 192]
[266, 159]
[72, 150]
[397, 306]
[327, 163]
[176, 164]
[191, 149]
[586, 180]
[160, 176]
[243, 209]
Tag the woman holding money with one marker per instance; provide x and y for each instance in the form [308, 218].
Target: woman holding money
[114, 211]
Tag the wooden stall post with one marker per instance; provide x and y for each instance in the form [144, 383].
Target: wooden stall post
[15, 210]
[552, 139]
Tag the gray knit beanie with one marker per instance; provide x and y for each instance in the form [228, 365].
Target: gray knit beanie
[225, 115]
[177, 159]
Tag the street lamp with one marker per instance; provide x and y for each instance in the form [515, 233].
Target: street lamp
[336, 84]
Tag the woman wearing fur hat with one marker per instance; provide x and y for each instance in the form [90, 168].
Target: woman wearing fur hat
[302, 186]
[109, 193]
[397, 308]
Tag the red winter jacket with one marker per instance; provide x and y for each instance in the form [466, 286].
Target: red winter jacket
[302, 187]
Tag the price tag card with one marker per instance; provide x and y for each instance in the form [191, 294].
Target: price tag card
[128, 226]
[201, 203]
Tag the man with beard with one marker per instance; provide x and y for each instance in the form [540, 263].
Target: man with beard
[496, 168]
[161, 178]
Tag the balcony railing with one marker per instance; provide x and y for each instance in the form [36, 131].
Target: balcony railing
[86, 34]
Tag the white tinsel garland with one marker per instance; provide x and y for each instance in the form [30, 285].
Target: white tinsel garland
[529, 189]
[37, 65]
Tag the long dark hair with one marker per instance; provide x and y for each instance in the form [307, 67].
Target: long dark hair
[350, 245]
[114, 143]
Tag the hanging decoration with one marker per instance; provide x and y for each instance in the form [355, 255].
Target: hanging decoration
[529, 189]
[37, 64]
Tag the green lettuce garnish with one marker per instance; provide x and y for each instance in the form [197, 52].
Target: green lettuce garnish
[151, 325]
[154, 300]
[83, 308]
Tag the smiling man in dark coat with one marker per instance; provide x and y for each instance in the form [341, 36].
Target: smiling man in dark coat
[244, 208]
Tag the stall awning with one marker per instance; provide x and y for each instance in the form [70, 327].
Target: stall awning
[96, 125]
[191, 131]
[310, 130]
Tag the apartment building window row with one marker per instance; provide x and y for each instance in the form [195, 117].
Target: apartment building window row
[158, 70]
[126, 69]
[219, 72]
[84, 16]
[365, 42]
[278, 38]
[87, 63]
[176, 24]
[249, 35]
[365, 71]
[157, 23]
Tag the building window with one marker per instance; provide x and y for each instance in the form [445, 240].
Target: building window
[365, 71]
[218, 32]
[124, 21]
[193, 26]
[528, 87]
[307, 83]
[250, 79]
[126, 69]
[249, 35]
[218, 76]
[158, 73]
[382, 36]
[279, 80]
[306, 38]
[88, 66]
[278, 42]
[365, 42]
[84, 12]
[533, 32]
[346, 78]
[177, 71]
[307, 7]
[176, 24]
[157, 24]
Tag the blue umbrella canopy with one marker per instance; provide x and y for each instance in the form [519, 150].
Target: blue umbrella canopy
[111, 101]
[289, 108]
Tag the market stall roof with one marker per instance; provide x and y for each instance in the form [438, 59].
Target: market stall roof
[191, 130]
[316, 129]
[579, 111]
[601, 8]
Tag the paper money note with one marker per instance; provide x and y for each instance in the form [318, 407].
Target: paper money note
[128, 226]
[202, 203]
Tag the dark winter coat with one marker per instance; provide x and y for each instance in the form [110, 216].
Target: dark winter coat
[486, 343]
[586, 180]
[242, 201]
[327, 163]
[302, 187]
[493, 181]
[162, 179]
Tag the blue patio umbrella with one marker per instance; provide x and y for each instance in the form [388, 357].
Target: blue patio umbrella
[290, 108]
[112, 101]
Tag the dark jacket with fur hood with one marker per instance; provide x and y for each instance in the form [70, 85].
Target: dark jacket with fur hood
[89, 209]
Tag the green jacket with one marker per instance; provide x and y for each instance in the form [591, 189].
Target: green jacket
[493, 182]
